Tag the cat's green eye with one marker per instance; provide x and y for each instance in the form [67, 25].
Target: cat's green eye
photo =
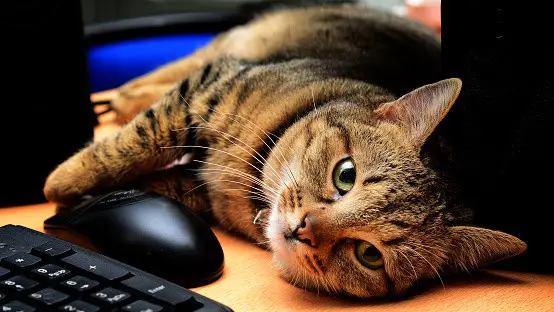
[344, 176]
[368, 255]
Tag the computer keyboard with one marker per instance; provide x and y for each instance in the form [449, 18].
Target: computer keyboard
[42, 273]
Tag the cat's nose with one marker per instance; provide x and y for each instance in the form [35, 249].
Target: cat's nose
[304, 232]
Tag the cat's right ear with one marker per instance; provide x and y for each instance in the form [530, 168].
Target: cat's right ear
[419, 112]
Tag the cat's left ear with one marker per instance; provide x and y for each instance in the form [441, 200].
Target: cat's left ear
[419, 112]
[473, 247]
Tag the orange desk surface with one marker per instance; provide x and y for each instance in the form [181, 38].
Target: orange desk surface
[250, 283]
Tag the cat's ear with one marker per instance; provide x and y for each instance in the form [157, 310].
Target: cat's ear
[419, 112]
[473, 247]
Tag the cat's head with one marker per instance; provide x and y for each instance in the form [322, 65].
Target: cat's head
[356, 210]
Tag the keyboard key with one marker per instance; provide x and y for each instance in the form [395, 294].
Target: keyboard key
[48, 296]
[4, 271]
[111, 296]
[164, 292]
[52, 249]
[79, 283]
[16, 306]
[2, 296]
[96, 266]
[142, 306]
[18, 283]
[50, 271]
[4, 250]
[21, 260]
[7, 250]
[79, 306]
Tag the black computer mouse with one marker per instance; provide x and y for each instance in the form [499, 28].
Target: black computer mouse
[151, 232]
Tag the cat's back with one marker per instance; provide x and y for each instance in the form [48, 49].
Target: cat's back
[369, 45]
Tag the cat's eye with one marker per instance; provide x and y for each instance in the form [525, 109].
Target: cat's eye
[344, 175]
[368, 255]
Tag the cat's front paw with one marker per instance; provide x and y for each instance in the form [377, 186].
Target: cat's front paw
[61, 187]
[74, 178]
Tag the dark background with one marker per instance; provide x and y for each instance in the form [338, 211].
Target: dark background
[502, 126]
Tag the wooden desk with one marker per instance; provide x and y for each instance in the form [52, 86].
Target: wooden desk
[250, 283]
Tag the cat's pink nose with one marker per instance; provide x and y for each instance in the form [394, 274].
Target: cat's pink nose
[304, 232]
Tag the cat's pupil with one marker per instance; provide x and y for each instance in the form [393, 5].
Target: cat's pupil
[348, 175]
[372, 254]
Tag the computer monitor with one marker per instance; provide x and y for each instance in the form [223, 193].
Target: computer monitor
[46, 111]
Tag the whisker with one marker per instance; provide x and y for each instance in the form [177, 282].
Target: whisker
[410, 262]
[432, 267]
[313, 97]
[423, 246]
[235, 174]
[233, 169]
[251, 192]
[207, 122]
[234, 137]
[214, 110]
[218, 150]
[188, 104]
[267, 134]
[213, 181]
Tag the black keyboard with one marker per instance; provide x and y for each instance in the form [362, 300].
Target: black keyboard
[42, 273]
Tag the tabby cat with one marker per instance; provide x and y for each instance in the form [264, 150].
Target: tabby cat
[304, 130]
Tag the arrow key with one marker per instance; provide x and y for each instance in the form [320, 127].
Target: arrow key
[79, 284]
[18, 283]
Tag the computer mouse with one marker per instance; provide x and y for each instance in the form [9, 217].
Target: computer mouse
[151, 232]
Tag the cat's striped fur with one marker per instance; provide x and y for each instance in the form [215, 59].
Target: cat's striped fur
[267, 110]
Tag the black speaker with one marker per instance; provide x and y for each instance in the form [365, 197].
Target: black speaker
[46, 111]
[503, 123]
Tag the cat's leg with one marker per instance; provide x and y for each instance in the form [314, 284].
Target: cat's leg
[141, 147]
[250, 42]
[129, 102]
[138, 94]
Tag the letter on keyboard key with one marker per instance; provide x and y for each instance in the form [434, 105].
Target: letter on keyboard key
[18, 283]
[48, 296]
[142, 306]
[110, 296]
[16, 306]
[164, 292]
[79, 306]
[52, 249]
[21, 260]
[95, 265]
